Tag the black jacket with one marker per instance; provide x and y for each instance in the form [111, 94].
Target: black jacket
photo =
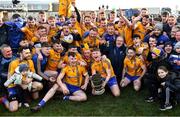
[3, 34]
[173, 81]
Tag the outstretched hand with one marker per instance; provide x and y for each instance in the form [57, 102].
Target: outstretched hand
[120, 12]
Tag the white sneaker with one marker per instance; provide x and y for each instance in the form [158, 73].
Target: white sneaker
[26, 105]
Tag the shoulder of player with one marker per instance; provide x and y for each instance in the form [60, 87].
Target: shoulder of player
[138, 60]
[106, 60]
[78, 54]
[126, 59]
[66, 67]
[93, 64]
[30, 62]
[52, 52]
[15, 61]
[24, 29]
[86, 39]
[81, 67]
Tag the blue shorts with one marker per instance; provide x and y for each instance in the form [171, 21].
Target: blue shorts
[13, 93]
[131, 78]
[72, 88]
[112, 81]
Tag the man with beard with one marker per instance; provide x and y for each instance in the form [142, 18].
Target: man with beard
[133, 71]
[53, 66]
[30, 29]
[140, 28]
[25, 58]
[14, 91]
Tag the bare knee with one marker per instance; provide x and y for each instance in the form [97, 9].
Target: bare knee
[13, 107]
[115, 90]
[117, 94]
[136, 88]
[39, 86]
[83, 98]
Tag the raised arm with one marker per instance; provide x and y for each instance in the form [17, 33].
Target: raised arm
[128, 23]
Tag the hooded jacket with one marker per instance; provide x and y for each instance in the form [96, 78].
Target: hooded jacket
[15, 35]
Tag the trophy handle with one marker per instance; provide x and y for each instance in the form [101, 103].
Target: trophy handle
[92, 85]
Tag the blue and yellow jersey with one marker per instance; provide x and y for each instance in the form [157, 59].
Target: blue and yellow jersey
[52, 32]
[140, 30]
[101, 31]
[74, 74]
[65, 58]
[29, 32]
[101, 67]
[120, 29]
[91, 42]
[133, 67]
[53, 60]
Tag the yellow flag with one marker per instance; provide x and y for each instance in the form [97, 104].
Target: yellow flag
[65, 7]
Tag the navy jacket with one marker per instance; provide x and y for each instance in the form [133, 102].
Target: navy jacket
[116, 56]
[15, 35]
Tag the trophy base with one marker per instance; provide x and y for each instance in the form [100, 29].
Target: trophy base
[98, 92]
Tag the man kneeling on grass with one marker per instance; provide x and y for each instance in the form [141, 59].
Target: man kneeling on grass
[133, 71]
[104, 68]
[69, 82]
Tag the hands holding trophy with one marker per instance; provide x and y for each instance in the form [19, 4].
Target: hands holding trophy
[97, 84]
